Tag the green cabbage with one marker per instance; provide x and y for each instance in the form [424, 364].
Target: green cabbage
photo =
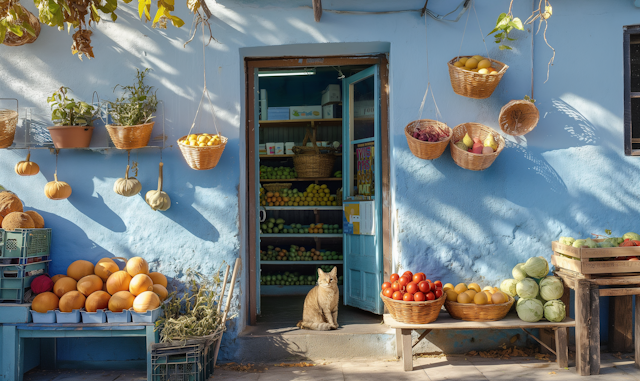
[530, 310]
[508, 286]
[607, 243]
[551, 288]
[578, 243]
[632, 236]
[591, 244]
[527, 288]
[518, 272]
[555, 310]
[536, 267]
[567, 240]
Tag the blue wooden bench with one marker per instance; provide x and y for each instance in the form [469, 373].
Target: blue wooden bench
[13, 336]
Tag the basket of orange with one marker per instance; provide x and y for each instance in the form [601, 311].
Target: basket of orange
[471, 303]
[413, 299]
[475, 76]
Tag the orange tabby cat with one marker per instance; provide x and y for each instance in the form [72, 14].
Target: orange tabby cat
[321, 304]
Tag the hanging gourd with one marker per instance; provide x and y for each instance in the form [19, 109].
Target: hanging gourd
[57, 190]
[27, 168]
[157, 199]
[127, 187]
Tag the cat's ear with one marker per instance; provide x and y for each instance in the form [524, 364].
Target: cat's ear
[334, 271]
[320, 272]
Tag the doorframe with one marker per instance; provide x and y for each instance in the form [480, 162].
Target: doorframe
[251, 93]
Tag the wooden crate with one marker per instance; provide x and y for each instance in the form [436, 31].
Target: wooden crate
[581, 260]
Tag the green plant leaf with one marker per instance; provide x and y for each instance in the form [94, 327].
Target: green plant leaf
[516, 23]
[114, 17]
[504, 47]
[159, 14]
[3, 31]
[16, 29]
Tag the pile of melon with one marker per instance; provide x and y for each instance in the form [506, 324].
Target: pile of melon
[104, 286]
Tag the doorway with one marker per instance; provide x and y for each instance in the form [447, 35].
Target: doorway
[295, 224]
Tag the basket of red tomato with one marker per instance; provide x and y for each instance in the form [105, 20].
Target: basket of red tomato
[413, 299]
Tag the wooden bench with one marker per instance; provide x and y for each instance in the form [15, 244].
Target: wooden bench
[13, 336]
[404, 347]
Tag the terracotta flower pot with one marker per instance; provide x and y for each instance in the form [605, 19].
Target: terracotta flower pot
[71, 136]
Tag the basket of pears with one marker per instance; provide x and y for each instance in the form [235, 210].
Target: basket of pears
[475, 146]
[475, 76]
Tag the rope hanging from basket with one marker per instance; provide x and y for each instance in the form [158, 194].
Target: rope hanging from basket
[424, 99]
[204, 90]
[473, 4]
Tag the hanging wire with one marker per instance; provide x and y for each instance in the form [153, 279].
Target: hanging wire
[463, 33]
[56, 172]
[473, 4]
[424, 99]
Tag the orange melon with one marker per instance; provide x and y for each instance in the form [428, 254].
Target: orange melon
[79, 269]
[161, 291]
[97, 301]
[64, 285]
[121, 300]
[89, 284]
[140, 283]
[118, 281]
[72, 300]
[159, 279]
[148, 300]
[105, 267]
[46, 301]
[137, 265]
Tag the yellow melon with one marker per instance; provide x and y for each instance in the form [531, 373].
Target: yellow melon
[89, 284]
[121, 300]
[118, 281]
[161, 291]
[105, 267]
[140, 283]
[97, 301]
[72, 300]
[148, 300]
[38, 221]
[46, 301]
[79, 269]
[137, 265]
[55, 278]
[64, 285]
[158, 278]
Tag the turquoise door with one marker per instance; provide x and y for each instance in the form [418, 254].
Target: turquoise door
[362, 191]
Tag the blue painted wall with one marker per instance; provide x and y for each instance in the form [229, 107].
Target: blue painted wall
[569, 176]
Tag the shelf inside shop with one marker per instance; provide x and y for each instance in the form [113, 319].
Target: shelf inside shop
[279, 123]
[319, 208]
[301, 179]
[285, 156]
[338, 262]
[297, 235]
[288, 290]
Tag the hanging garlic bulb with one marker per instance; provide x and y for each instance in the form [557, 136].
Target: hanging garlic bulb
[157, 199]
[129, 186]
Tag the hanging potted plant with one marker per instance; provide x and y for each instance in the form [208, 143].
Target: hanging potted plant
[132, 114]
[18, 26]
[72, 121]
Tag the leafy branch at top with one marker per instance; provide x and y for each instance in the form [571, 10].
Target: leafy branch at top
[505, 24]
[543, 15]
[14, 19]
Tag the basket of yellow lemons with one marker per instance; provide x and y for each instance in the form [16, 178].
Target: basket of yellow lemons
[475, 76]
[202, 151]
[471, 303]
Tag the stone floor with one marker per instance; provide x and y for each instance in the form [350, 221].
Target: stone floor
[429, 369]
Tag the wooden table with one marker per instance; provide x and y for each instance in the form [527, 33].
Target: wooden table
[587, 314]
[13, 336]
[446, 322]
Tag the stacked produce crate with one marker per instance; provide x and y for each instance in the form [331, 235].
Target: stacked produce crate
[189, 361]
[24, 255]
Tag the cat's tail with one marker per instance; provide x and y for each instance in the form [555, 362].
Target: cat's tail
[314, 326]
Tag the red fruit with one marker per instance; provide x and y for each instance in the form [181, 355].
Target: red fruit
[429, 280]
[386, 285]
[430, 296]
[404, 280]
[395, 286]
[438, 294]
[634, 259]
[397, 295]
[412, 288]
[407, 297]
[388, 292]
[424, 286]
[438, 284]
[419, 297]
[408, 274]
[432, 286]
[419, 277]
[394, 277]
[477, 148]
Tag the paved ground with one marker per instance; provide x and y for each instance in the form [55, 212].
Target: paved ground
[461, 368]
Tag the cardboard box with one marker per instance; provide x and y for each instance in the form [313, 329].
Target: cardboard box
[331, 94]
[305, 112]
[363, 108]
[278, 113]
[332, 111]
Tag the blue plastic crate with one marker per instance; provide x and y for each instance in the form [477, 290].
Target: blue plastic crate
[24, 261]
[23, 243]
[178, 363]
[15, 280]
[146, 317]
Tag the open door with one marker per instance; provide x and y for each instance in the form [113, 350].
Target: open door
[362, 194]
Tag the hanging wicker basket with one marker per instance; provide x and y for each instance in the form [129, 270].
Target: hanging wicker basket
[475, 85]
[276, 187]
[11, 39]
[8, 122]
[312, 162]
[202, 158]
[426, 150]
[518, 117]
[414, 312]
[473, 161]
[130, 137]
[475, 312]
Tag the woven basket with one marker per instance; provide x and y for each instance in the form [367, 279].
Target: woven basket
[8, 122]
[473, 161]
[11, 39]
[426, 150]
[475, 85]
[276, 187]
[202, 158]
[130, 137]
[474, 312]
[313, 165]
[518, 117]
[414, 312]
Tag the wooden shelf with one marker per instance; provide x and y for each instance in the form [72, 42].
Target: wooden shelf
[299, 179]
[336, 262]
[320, 208]
[284, 156]
[301, 235]
[272, 123]
[288, 290]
